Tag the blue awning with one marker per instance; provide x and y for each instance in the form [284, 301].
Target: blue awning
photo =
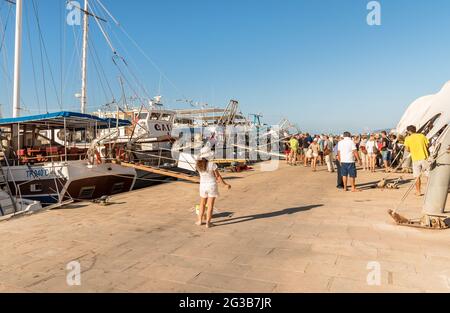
[72, 120]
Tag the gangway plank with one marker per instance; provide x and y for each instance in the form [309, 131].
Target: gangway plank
[159, 171]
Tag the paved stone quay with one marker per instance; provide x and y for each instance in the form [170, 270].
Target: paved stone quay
[289, 230]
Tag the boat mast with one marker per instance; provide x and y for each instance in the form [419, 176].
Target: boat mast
[17, 59]
[84, 58]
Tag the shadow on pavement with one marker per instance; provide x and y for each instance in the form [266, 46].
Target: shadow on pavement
[249, 218]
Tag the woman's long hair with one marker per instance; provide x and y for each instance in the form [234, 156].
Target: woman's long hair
[201, 165]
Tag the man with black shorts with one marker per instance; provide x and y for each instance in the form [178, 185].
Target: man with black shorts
[347, 155]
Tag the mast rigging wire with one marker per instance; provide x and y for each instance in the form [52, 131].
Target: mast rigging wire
[42, 46]
[4, 65]
[96, 18]
[76, 55]
[32, 62]
[5, 28]
[140, 49]
[94, 49]
[115, 53]
[129, 68]
[94, 61]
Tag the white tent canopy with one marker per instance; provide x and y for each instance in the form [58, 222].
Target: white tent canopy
[414, 113]
[438, 115]
[432, 112]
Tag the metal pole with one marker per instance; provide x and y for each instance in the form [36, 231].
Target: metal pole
[84, 58]
[17, 59]
[18, 137]
[65, 139]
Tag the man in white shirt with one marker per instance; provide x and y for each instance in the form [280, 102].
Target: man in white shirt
[347, 155]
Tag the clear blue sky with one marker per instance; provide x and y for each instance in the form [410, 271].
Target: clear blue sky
[315, 62]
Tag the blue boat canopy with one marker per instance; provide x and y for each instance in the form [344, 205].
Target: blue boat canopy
[72, 120]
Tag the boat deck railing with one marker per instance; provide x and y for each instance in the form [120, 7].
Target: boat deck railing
[42, 159]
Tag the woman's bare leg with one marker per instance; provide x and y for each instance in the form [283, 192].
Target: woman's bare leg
[210, 211]
[201, 211]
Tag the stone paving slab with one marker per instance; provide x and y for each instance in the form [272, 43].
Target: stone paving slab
[289, 230]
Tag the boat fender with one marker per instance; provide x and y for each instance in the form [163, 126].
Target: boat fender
[94, 157]
[98, 157]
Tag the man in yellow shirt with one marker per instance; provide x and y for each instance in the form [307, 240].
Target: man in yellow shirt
[417, 145]
[293, 143]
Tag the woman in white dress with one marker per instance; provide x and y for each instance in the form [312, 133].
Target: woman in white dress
[209, 191]
[370, 147]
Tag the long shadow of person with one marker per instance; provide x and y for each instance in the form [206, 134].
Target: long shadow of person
[249, 218]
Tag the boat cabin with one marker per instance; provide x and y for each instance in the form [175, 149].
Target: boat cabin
[53, 137]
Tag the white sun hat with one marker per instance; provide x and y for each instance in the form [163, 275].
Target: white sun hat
[205, 153]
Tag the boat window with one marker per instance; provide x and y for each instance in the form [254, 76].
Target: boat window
[166, 117]
[142, 116]
[180, 120]
[36, 188]
[86, 192]
[117, 188]
[79, 136]
[89, 134]
[425, 129]
[155, 116]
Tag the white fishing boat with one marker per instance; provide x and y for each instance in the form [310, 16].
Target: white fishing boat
[146, 141]
[229, 135]
[148, 137]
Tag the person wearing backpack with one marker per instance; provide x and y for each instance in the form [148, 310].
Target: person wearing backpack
[385, 151]
[328, 153]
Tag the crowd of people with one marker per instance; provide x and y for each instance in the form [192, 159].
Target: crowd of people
[339, 154]
[375, 151]
[378, 150]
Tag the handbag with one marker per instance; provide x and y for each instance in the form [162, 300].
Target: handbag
[326, 148]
